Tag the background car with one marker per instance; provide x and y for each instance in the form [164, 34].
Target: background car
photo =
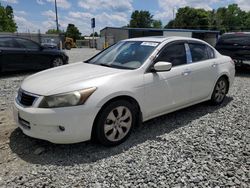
[132, 81]
[49, 43]
[237, 46]
[23, 54]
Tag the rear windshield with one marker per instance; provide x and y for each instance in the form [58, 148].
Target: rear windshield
[240, 39]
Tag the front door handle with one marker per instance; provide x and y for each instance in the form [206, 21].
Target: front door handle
[214, 65]
[186, 72]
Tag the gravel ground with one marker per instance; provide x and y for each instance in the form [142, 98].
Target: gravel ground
[200, 146]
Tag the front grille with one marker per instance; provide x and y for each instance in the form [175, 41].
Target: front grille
[25, 98]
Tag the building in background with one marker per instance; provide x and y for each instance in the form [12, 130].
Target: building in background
[111, 35]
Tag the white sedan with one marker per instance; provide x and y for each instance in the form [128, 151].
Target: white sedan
[132, 81]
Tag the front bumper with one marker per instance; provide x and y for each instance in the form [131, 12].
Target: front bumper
[44, 124]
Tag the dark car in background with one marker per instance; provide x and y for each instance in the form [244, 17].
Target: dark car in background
[23, 54]
[237, 46]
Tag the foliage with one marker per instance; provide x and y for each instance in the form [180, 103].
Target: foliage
[53, 31]
[224, 19]
[7, 23]
[73, 32]
[95, 34]
[141, 19]
[157, 24]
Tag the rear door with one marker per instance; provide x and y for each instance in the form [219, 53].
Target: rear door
[204, 70]
[170, 89]
[11, 54]
[35, 57]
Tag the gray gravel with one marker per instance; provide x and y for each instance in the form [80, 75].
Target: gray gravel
[200, 146]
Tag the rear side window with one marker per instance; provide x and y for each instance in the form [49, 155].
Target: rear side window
[7, 43]
[232, 39]
[198, 52]
[174, 53]
[27, 44]
[210, 52]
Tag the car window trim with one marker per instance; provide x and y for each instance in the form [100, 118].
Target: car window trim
[16, 45]
[197, 42]
[22, 46]
[148, 70]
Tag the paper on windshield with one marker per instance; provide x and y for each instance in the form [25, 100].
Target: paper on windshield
[154, 44]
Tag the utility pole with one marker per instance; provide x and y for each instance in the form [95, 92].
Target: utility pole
[57, 25]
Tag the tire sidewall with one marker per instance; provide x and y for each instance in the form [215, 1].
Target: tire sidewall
[102, 116]
[52, 65]
[213, 100]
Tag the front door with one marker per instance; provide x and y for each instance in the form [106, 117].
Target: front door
[170, 89]
[11, 55]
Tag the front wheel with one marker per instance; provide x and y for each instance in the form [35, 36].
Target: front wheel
[57, 62]
[220, 91]
[115, 123]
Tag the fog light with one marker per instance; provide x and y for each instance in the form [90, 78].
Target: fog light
[61, 128]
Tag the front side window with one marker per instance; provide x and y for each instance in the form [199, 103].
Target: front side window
[174, 53]
[125, 54]
[27, 44]
[7, 43]
[198, 52]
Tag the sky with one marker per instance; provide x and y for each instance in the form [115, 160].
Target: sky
[34, 15]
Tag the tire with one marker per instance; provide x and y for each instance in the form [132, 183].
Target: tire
[57, 62]
[67, 46]
[220, 91]
[115, 122]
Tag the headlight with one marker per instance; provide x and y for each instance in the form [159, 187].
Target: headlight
[67, 99]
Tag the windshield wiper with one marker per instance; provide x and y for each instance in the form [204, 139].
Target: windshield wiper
[105, 65]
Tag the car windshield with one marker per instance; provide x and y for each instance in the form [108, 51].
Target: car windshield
[125, 54]
[240, 39]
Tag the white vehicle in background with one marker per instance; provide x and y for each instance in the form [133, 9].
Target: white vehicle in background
[134, 80]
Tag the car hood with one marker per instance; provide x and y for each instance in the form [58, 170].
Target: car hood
[68, 78]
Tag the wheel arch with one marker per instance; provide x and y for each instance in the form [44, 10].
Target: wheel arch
[128, 98]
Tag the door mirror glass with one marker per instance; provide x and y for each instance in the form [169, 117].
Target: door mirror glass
[162, 66]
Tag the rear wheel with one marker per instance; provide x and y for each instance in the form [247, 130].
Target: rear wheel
[220, 91]
[57, 62]
[115, 123]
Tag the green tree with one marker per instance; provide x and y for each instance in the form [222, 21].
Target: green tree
[191, 18]
[157, 24]
[170, 25]
[95, 34]
[73, 32]
[7, 23]
[53, 31]
[141, 19]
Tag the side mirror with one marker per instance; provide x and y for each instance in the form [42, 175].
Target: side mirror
[162, 66]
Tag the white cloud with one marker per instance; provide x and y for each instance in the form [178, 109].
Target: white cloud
[167, 6]
[24, 25]
[21, 12]
[65, 4]
[243, 4]
[113, 5]
[40, 2]
[11, 1]
[50, 14]
[82, 15]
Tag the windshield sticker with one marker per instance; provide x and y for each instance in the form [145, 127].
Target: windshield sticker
[154, 44]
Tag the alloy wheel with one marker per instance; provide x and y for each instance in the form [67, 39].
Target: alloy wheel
[57, 62]
[220, 90]
[118, 123]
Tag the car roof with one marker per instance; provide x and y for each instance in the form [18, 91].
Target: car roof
[161, 39]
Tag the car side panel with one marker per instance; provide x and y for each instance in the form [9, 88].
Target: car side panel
[12, 59]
